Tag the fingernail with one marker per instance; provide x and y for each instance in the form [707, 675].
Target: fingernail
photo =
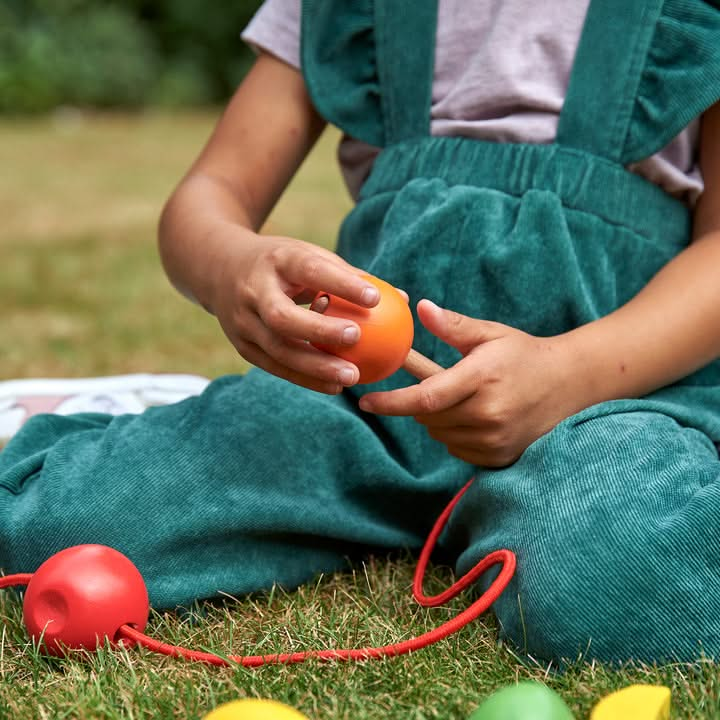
[350, 335]
[370, 295]
[347, 376]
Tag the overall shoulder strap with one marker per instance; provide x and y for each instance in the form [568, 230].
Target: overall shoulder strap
[405, 45]
[606, 73]
[368, 65]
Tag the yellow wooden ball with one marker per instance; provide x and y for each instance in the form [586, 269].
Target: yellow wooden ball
[635, 702]
[255, 709]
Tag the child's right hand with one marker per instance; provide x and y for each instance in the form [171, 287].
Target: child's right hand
[255, 284]
[259, 286]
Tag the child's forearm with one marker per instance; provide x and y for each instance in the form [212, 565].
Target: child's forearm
[257, 146]
[191, 241]
[669, 330]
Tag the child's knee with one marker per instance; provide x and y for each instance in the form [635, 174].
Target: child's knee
[614, 519]
[613, 605]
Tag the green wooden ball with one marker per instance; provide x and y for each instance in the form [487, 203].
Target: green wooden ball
[525, 701]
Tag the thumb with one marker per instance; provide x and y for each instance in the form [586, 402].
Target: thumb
[460, 331]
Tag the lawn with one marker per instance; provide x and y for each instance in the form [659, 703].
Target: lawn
[83, 293]
[81, 284]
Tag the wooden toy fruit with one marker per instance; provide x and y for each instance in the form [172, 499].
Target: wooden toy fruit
[386, 332]
[524, 701]
[254, 709]
[635, 702]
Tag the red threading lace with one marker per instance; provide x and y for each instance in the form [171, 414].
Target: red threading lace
[505, 558]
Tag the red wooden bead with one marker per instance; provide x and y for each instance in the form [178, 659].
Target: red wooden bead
[82, 595]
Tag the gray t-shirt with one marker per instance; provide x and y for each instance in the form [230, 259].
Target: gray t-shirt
[501, 73]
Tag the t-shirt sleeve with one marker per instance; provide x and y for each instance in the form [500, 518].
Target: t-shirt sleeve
[275, 28]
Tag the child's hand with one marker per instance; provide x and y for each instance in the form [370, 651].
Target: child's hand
[508, 390]
[257, 290]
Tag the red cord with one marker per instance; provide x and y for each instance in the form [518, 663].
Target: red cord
[477, 608]
[500, 557]
[468, 579]
[19, 579]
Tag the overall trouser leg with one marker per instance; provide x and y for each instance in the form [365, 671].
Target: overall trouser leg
[255, 481]
[614, 518]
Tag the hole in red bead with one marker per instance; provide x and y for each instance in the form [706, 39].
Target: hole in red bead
[50, 612]
[119, 639]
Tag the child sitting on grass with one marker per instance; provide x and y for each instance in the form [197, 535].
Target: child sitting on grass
[544, 183]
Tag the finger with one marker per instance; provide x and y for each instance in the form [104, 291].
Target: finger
[439, 392]
[459, 331]
[320, 304]
[259, 358]
[468, 436]
[321, 274]
[483, 458]
[298, 356]
[285, 318]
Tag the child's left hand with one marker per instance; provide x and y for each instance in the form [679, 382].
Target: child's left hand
[508, 389]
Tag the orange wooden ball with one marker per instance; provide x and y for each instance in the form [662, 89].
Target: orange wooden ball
[386, 332]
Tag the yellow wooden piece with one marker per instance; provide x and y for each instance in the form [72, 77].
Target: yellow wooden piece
[635, 702]
[254, 709]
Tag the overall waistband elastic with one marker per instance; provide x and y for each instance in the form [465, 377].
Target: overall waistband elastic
[582, 181]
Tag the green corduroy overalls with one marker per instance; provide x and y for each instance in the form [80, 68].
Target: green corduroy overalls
[614, 515]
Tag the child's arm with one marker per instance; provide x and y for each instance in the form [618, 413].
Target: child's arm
[512, 387]
[211, 250]
[672, 327]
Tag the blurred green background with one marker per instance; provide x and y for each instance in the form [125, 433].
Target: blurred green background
[120, 53]
[104, 104]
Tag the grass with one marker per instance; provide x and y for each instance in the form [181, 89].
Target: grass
[81, 284]
[83, 293]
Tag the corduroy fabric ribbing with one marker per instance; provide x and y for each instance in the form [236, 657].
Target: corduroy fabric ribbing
[582, 181]
[614, 514]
